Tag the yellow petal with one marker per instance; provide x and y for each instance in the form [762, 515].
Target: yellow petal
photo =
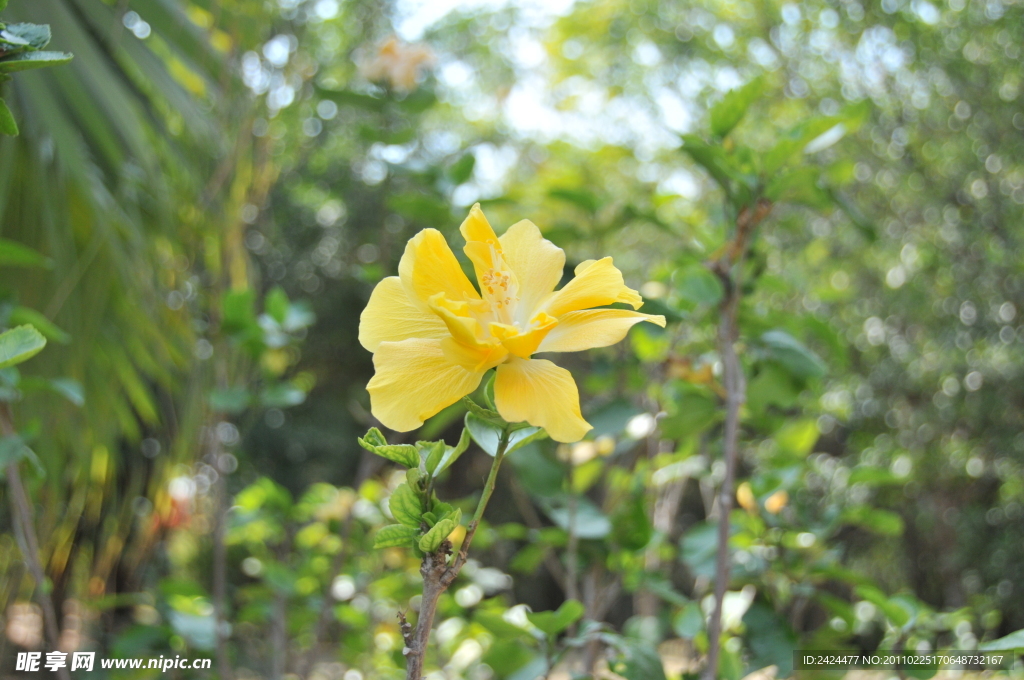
[390, 317]
[455, 316]
[476, 357]
[429, 267]
[597, 283]
[542, 394]
[476, 227]
[536, 262]
[413, 381]
[577, 331]
[524, 343]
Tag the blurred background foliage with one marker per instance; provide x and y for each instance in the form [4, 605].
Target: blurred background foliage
[217, 187]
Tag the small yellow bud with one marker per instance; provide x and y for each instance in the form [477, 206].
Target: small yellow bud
[777, 501]
[745, 497]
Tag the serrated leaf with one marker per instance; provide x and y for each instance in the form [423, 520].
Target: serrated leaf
[20, 344]
[441, 509]
[406, 506]
[29, 60]
[373, 437]
[434, 453]
[36, 36]
[395, 536]
[488, 436]
[483, 413]
[730, 109]
[553, 623]
[7, 124]
[403, 454]
[452, 453]
[432, 540]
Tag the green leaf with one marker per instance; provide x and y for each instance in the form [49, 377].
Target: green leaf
[421, 208]
[502, 629]
[406, 505]
[3, 5]
[798, 437]
[801, 186]
[553, 623]
[373, 437]
[65, 387]
[27, 315]
[434, 453]
[581, 198]
[589, 521]
[689, 621]
[488, 435]
[770, 639]
[893, 609]
[13, 450]
[230, 399]
[7, 124]
[631, 527]
[793, 355]
[432, 540]
[880, 521]
[347, 97]
[276, 304]
[403, 454]
[1014, 640]
[452, 453]
[20, 344]
[695, 412]
[798, 139]
[462, 169]
[699, 286]
[282, 395]
[36, 36]
[483, 413]
[637, 661]
[395, 536]
[29, 60]
[736, 184]
[730, 109]
[14, 254]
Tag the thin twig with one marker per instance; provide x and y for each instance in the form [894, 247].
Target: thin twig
[28, 542]
[729, 270]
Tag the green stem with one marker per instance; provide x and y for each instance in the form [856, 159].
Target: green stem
[437, 576]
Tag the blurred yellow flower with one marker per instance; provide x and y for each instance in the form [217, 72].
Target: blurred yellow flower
[745, 497]
[776, 502]
[434, 335]
[397, 63]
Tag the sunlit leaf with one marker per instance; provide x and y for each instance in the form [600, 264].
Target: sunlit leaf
[395, 536]
[30, 60]
[20, 344]
[406, 506]
[731, 108]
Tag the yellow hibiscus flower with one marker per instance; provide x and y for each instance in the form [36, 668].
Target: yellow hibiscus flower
[433, 335]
